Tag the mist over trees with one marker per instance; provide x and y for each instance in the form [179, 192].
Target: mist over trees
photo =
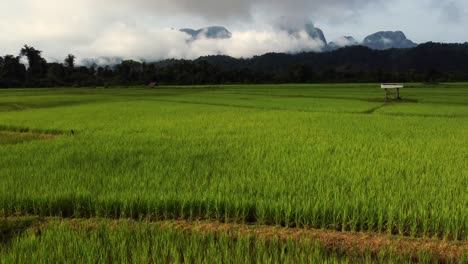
[430, 62]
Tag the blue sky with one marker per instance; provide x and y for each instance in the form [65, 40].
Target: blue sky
[143, 28]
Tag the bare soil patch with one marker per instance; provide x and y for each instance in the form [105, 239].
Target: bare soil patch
[11, 138]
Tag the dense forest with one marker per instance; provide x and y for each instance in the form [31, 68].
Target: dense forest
[429, 62]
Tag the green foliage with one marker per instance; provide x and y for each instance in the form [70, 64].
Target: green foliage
[294, 155]
[430, 63]
[37, 64]
[69, 61]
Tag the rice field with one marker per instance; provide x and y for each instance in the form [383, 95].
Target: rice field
[328, 157]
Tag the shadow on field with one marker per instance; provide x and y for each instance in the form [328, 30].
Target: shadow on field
[300, 96]
[372, 110]
[386, 103]
[392, 101]
[22, 106]
[217, 104]
[12, 227]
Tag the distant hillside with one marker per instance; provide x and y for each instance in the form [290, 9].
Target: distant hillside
[449, 57]
[427, 62]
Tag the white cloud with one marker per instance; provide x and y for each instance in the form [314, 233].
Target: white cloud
[139, 28]
[387, 41]
[344, 42]
[136, 43]
[250, 43]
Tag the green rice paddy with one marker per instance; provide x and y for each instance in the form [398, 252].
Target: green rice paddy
[312, 156]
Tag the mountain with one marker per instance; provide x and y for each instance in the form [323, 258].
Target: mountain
[294, 27]
[208, 32]
[387, 40]
[342, 42]
[315, 32]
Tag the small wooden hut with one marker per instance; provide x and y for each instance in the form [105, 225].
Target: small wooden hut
[392, 87]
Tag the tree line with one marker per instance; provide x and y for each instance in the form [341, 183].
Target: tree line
[429, 62]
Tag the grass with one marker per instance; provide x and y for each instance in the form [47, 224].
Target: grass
[322, 156]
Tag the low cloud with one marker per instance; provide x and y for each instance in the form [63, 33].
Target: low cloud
[345, 42]
[152, 45]
[250, 43]
[386, 41]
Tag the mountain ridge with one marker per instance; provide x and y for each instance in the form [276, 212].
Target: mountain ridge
[380, 40]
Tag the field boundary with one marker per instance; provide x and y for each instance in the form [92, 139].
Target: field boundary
[365, 112]
[337, 241]
[348, 243]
